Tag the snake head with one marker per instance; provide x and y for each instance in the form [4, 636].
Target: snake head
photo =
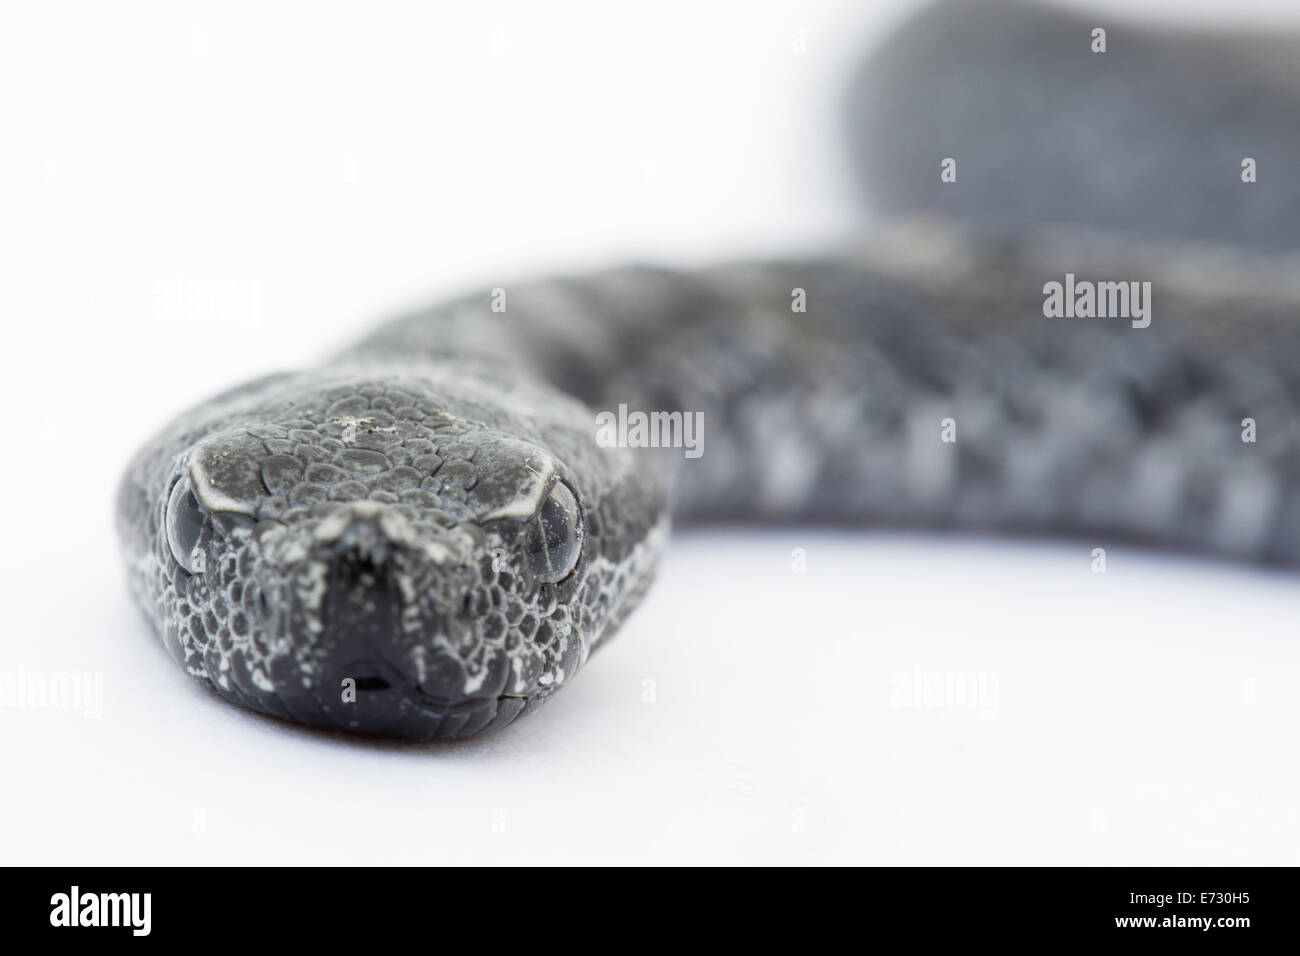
[372, 557]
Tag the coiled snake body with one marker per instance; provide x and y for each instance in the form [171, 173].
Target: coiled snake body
[423, 537]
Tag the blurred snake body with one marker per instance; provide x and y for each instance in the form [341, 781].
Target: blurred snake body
[423, 536]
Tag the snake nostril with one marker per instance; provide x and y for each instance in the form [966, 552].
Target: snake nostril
[362, 548]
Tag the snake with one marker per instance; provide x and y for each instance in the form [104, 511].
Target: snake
[428, 534]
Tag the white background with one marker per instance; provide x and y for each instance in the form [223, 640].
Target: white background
[313, 167]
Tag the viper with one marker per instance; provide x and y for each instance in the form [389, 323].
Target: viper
[423, 536]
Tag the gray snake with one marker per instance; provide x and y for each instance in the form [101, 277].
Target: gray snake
[423, 536]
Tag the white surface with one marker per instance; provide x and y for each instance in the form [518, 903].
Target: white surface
[310, 168]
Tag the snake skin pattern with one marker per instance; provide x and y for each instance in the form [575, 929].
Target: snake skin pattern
[423, 537]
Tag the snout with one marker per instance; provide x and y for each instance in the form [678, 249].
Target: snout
[377, 622]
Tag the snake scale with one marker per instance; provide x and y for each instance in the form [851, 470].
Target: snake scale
[423, 537]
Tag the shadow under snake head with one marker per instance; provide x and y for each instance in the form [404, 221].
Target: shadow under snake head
[377, 554]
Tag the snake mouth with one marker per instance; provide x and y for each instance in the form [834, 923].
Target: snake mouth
[376, 678]
[380, 698]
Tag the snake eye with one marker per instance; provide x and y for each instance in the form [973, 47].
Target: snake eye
[184, 526]
[553, 541]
